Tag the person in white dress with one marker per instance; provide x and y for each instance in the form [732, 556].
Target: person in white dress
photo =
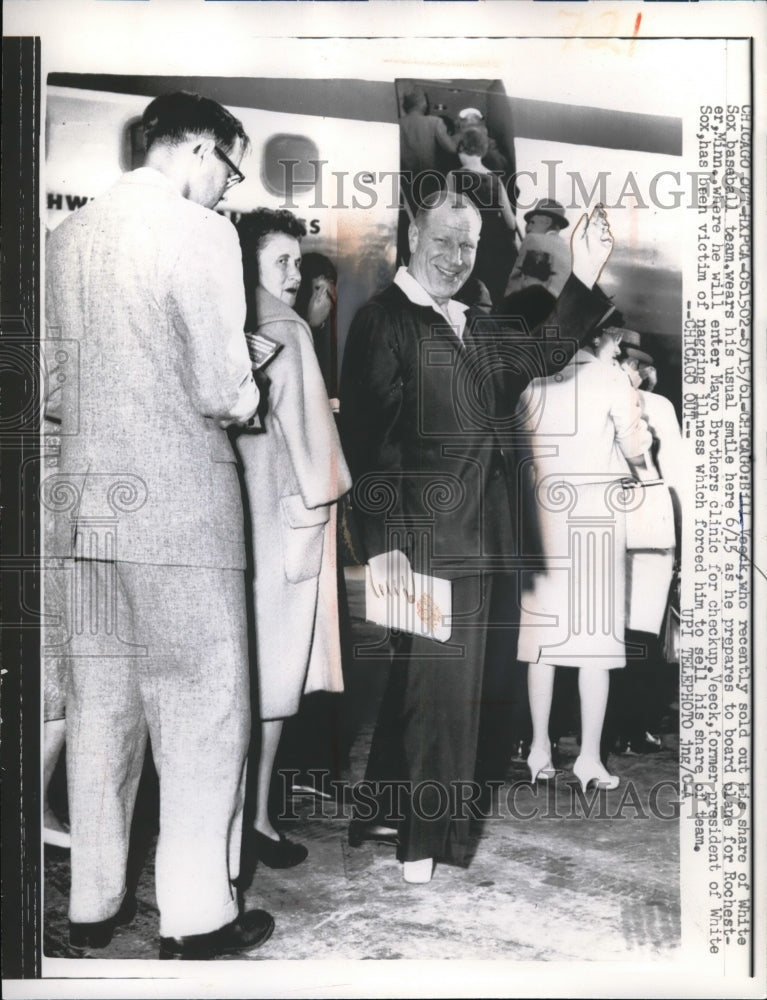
[586, 433]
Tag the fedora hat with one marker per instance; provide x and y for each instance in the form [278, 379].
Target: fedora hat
[555, 211]
[635, 354]
[631, 346]
[630, 338]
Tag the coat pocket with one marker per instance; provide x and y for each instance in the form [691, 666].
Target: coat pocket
[303, 532]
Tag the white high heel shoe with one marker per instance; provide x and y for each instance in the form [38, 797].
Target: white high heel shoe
[418, 872]
[541, 766]
[587, 771]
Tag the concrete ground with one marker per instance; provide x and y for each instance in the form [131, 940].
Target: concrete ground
[553, 875]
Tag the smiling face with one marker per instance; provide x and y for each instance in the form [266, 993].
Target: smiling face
[442, 250]
[279, 266]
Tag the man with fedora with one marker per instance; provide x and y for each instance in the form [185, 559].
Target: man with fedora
[543, 258]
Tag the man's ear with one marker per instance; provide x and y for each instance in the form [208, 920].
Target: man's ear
[412, 237]
[204, 147]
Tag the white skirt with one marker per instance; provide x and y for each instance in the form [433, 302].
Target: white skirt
[648, 578]
[573, 612]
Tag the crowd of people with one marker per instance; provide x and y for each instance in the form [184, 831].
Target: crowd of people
[209, 435]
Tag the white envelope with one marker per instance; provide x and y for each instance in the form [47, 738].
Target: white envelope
[426, 611]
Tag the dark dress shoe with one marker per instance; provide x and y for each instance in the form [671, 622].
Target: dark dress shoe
[99, 934]
[282, 853]
[248, 931]
[376, 833]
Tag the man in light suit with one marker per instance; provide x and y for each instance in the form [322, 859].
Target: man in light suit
[146, 281]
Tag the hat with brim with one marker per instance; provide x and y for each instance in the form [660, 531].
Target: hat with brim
[635, 354]
[551, 208]
[630, 338]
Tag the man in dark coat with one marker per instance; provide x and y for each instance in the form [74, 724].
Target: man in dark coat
[428, 387]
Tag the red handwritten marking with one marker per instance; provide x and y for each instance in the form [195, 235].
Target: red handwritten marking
[637, 23]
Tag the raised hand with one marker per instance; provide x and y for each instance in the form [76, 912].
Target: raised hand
[591, 245]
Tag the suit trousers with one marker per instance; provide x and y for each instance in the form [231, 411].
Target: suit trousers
[170, 662]
[423, 755]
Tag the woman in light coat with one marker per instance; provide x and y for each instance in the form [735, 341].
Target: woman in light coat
[638, 698]
[294, 472]
[650, 570]
[586, 433]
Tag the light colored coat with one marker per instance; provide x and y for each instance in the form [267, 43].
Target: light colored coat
[650, 570]
[557, 251]
[150, 286]
[661, 417]
[144, 292]
[293, 473]
[582, 424]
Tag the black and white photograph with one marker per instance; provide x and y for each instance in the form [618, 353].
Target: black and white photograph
[383, 559]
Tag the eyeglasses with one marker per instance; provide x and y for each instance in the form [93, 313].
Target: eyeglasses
[236, 176]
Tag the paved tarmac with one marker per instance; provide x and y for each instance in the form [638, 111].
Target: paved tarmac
[553, 875]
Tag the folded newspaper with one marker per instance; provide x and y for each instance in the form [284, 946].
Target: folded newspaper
[424, 611]
[262, 349]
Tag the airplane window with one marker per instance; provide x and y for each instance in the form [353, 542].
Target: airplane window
[288, 165]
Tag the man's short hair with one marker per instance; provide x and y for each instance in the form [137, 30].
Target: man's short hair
[414, 98]
[173, 118]
[455, 199]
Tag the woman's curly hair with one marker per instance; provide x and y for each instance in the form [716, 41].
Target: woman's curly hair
[253, 229]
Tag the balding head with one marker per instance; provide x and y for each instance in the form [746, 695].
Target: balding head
[443, 243]
[456, 200]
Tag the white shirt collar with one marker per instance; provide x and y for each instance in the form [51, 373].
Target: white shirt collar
[454, 312]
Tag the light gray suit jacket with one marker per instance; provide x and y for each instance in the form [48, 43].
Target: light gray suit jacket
[144, 301]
